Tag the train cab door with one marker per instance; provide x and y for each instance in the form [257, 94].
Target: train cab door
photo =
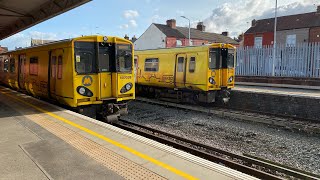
[21, 71]
[52, 74]
[105, 75]
[180, 71]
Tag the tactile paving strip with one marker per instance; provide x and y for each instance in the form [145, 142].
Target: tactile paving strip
[111, 160]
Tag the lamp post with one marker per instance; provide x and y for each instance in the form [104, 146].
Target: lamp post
[189, 27]
[274, 39]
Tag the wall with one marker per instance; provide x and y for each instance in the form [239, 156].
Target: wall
[302, 35]
[152, 38]
[171, 42]
[267, 38]
[314, 34]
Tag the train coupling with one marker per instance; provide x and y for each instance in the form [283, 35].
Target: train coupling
[225, 96]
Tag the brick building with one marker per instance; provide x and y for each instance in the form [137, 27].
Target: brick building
[169, 35]
[291, 30]
[3, 49]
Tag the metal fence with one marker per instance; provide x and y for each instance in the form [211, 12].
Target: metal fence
[302, 60]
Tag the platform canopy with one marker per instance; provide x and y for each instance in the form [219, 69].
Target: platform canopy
[18, 15]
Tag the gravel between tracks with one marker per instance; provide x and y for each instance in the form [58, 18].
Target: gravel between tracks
[298, 150]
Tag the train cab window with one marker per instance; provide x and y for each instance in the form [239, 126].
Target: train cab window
[6, 65]
[85, 57]
[151, 64]
[230, 58]
[84, 62]
[60, 67]
[12, 65]
[53, 66]
[192, 64]
[124, 58]
[214, 58]
[180, 64]
[33, 68]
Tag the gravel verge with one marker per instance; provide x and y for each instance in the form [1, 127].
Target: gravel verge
[295, 149]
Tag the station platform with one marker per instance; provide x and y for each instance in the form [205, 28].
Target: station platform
[42, 141]
[279, 89]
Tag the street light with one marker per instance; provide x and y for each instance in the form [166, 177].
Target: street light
[274, 39]
[189, 27]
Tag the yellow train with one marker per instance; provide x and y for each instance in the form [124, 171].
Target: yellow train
[92, 74]
[187, 74]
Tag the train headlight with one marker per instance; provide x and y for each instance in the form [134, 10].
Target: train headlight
[211, 80]
[230, 79]
[105, 38]
[84, 91]
[126, 88]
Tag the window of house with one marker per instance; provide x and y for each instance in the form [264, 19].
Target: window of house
[33, 68]
[178, 42]
[12, 65]
[60, 67]
[192, 64]
[151, 64]
[6, 65]
[180, 64]
[291, 40]
[258, 42]
[53, 66]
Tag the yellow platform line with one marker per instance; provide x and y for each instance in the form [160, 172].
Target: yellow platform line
[132, 151]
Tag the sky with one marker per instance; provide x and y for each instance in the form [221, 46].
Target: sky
[133, 17]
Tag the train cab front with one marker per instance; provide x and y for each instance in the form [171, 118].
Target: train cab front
[104, 67]
[221, 71]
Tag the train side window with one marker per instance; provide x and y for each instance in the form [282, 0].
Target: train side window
[6, 65]
[53, 66]
[33, 68]
[12, 65]
[151, 64]
[192, 64]
[180, 64]
[60, 67]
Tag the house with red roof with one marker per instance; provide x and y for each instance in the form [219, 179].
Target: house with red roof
[291, 30]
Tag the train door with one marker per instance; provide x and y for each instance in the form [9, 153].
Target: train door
[180, 71]
[105, 75]
[52, 74]
[21, 70]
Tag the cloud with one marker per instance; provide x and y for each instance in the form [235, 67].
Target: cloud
[133, 23]
[180, 12]
[236, 17]
[124, 26]
[130, 14]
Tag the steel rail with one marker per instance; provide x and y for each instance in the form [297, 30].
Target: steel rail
[214, 158]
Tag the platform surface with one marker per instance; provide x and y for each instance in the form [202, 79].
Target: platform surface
[277, 90]
[42, 141]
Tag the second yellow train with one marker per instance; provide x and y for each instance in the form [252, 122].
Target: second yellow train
[197, 74]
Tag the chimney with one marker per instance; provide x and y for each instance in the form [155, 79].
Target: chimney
[133, 38]
[225, 33]
[253, 22]
[126, 37]
[201, 27]
[318, 9]
[172, 23]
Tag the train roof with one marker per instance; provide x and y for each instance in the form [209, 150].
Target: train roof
[217, 45]
[61, 41]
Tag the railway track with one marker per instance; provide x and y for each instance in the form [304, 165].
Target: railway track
[244, 163]
[247, 115]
